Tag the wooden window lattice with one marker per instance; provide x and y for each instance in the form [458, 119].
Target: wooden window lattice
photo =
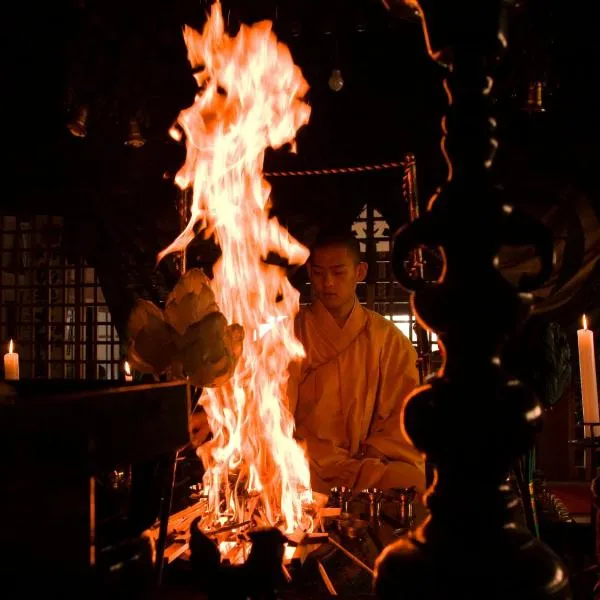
[51, 307]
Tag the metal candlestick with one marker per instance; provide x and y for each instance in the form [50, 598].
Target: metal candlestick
[470, 549]
[590, 446]
[593, 427]
[342, 495]
[406, 507]
[375, 497]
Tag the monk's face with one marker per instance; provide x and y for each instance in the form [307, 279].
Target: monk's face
[334, 273]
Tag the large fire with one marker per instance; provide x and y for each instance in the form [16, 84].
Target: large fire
[250, 98]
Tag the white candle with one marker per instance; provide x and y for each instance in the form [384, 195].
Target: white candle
[128, 375]
[587, 371]
[11, 364]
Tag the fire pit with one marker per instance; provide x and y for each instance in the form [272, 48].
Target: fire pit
[231, 536]
[338, 559]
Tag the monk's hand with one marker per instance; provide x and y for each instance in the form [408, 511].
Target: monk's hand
[399, 474]
[368, 451]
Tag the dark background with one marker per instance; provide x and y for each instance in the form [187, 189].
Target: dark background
[128, 58]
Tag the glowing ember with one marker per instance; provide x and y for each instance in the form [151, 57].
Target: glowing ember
[250, 98]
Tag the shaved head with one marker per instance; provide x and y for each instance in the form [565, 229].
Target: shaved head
[335, 268]
[328, 238]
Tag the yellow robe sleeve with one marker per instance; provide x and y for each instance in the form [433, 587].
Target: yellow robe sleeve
[398, 377]
[386, 441]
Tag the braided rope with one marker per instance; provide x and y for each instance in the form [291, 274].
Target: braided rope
[337, 171]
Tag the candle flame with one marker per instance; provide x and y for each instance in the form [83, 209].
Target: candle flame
[584, 322]
[10, 347]
[127, 368]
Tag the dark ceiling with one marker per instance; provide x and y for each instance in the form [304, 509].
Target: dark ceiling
[127, 57]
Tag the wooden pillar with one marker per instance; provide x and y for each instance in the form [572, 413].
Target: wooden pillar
[90, 342]
[371, 256]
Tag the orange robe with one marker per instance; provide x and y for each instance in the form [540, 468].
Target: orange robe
[347, 395]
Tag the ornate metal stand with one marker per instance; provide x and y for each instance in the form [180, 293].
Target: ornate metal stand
[470, 546]
[591, 448]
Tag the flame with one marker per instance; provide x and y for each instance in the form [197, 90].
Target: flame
[10, 347]
[127, 368]
[584, 322]
[250, 98]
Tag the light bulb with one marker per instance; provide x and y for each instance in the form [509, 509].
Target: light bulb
[336, 83]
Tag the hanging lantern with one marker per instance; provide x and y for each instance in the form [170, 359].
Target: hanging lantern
[535, 97]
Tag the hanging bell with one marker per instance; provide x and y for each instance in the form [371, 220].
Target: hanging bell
[134, 138]
[360, 21]
[78, 123]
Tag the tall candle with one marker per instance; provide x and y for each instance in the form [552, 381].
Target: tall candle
[587, 371]
[128, 375]
[11, 364]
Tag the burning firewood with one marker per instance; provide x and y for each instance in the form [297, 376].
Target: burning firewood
[190, 338]
[258, 577]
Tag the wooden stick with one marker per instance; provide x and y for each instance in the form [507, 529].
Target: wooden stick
[352, 557]
[174, 551]
[286, 573]
[301, 553]
[329, 512]
[251, 507]
[228, 528]
[326, 580]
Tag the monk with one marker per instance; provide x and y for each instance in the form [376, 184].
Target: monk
[348, 393]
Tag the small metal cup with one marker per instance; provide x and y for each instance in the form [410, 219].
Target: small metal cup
[406, 508]
[375, 497]
[341, 496]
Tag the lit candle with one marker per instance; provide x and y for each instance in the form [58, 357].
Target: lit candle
[11, 364]
[587, 371]
[128, 375]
